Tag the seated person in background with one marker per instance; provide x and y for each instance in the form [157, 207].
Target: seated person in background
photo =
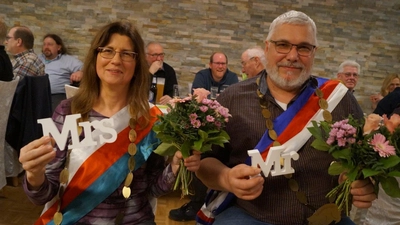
[348, 73]
[6, 69]
[389, 84]
[259, 108]
[157, 67]
[107, 183]
[19, 43]
[61, 67]
[253, 61]
[216, 75]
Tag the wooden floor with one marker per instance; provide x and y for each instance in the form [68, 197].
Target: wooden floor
[16, 209]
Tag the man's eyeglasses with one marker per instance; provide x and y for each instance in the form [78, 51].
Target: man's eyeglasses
[284, 47]
[219, 63]
[8, 38]
[156, 55]
[348, 74]
[109, 53]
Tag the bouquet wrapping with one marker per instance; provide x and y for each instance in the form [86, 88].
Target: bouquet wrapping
[367, 148]
[192, 123]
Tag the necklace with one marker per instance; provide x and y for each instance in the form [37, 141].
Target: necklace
[328, 212]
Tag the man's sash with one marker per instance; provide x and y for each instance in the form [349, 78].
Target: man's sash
[291, 128]
[99, 170]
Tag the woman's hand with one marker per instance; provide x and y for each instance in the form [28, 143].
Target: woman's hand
[34, 157]
[192, 163]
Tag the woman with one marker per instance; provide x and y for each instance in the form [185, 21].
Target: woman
[389, 84]
[107, 183]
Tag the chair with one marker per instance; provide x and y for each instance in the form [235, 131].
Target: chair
[7, 90]
[70, 90]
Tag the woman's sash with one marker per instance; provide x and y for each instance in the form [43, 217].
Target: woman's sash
[99, 170]
[291, 128]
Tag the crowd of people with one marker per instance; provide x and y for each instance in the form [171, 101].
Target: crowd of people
[114, 83]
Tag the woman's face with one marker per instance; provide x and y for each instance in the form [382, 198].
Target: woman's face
[116, 71]
[394, 84]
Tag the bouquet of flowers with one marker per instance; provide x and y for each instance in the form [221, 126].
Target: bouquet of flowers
[192, 123]
[367, 148]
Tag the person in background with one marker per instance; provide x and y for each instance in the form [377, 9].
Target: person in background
[19, 43]
[216, 75]
[253, 61]
[389, 84]
[266, 111]
[348, 73]
[62, 68]
[104, 183]
[6, 69]
[155, 58]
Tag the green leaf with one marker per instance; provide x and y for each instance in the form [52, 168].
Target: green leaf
[353, 174]
[390, 161]
[336, 168]
[370, 172]
[315, 130]
[320, 144]
[166, 149]
[186, 148]
[342, 154]
[394, 174]
[205, 148]
[391, 186]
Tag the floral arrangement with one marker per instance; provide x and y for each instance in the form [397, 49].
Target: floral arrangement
[192, 123]
[366, 148]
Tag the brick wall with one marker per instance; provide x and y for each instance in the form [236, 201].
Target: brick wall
[367, 31]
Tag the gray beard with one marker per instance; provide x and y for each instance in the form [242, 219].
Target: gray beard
[288, 85]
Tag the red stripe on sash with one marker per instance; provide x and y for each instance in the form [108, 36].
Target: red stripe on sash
[96, 164]
[304, 115]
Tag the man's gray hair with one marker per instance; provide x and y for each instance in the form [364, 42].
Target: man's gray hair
[257, 52]
[295, 18]
[350, 63]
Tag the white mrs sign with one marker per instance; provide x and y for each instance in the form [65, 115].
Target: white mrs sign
[70, 126]
[274, 159]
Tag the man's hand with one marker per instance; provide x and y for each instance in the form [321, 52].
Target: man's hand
[165, 99]
[155, 66]
[242, 185]
[76, 77]
[363, 193]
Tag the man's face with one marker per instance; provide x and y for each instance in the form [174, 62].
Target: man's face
[349, 77]
[50, 48]
[289, 71]
[248, 65]
[11, 42]
[218, 66]
[155, 52]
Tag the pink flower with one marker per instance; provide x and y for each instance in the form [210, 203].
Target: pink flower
[372, 123]
[203, 108]
[210, 118]
[382, 146]
[196, 123]
[200, 94]
[391, 123]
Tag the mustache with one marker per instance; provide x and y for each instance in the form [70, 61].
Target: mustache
[290, 64]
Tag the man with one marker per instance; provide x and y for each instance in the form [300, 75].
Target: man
[348, 73]
[61, 67]
[6, 70]
[19, 43]
[253, 61]
[216, 75]
[256, 105]
[155, 58]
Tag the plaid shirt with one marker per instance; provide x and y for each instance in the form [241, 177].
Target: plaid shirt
[27, 63]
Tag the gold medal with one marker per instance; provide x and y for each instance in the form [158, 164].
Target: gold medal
[58, 217]
[301, 197]
[126, 192]
[132, 123]
[294, 186]
[269, 124]
[131, 163]
[319, 93]
[64, 176]
[266, 113]
[323, 104]
[128, 179]
[132, 149]
[272, 134]
[327, 115]
[132, 135]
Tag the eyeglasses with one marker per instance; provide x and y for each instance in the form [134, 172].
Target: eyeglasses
[284, 47]
[109, 53]
[8, 38]
[348, 74]
[219, 63]
[156, 55]
[245, 62]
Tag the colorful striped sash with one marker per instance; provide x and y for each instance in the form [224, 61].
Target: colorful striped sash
[102, 172]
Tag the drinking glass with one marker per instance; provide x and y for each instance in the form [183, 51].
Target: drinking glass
[214, 92]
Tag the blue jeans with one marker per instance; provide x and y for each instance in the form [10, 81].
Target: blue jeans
[235, 215]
